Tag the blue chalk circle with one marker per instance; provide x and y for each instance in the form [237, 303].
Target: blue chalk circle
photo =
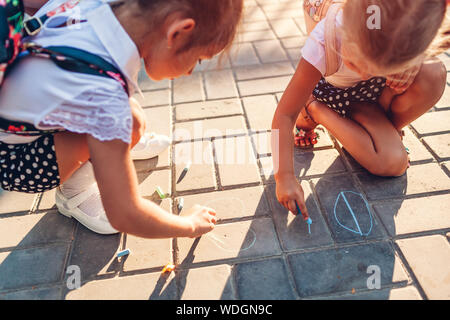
[362, 227]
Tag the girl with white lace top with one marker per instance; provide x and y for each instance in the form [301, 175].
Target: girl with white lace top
[90, 161]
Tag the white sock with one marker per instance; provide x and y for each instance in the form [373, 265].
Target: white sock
[82, 179]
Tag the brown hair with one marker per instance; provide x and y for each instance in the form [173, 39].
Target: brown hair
[216, 20]
[409, 30]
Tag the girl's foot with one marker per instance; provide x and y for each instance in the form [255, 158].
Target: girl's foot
[305, 136]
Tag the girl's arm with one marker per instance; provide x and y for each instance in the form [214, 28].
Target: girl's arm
[294, 99]
[126, 210]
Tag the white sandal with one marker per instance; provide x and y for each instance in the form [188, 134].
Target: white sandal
[69, 208]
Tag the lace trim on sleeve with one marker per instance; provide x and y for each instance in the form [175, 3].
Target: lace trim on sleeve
[103, 114]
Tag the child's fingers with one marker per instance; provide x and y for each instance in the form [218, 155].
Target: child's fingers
[292, 207]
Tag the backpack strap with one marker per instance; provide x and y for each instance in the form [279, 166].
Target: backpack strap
[71, 59]
[333, 58]
[34, 25]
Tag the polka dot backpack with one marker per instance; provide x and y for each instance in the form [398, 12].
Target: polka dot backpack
[317, 10]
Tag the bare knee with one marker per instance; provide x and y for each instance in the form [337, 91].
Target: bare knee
[392, 165]
[431, 81]
[139, 121]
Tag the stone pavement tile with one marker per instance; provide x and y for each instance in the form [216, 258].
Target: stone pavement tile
[254, 26]
[417, 180]
[270, 51]
[245, 239]
[208, 109]
[251, 36]
[267, 169]
[220, 84]
[147, 253]
[417, 150]
[243, 54]
[11, 202]
[253, 13]
[201, 129]
[201, 173]
[153, 98]
[318, 162]
[444, 102]
[285, 28]
[263, 71]
[149, 181]
[32, 267]
[209, 283]
[294, 54]
[294, 42]
[95, 254]
[188, 89]
[282, 13]
[162, 160]
[440, 145]
[33, 294]
[262, 142]
[263, 86]
[406, 293]
[293, 230]
[344, 269]
[429, 258]
[35, 230]
[260, 111]
[263, 280]
[232, 204]
[446, 167]
[158, 120]
[432, 122]
[145, 83]
[153, 286]
[328, 190]
[236, 161]
[415, 215]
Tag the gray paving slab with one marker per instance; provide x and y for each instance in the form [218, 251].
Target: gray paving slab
[292, 230]
[340, 198]
[415, 215]
[270, 276]
[208, 283]
[346, 269]
[231, 204]
[33, 294]
[419, 179]
[231, 241]
[32, 267]
[152, 286]
[429, 258]
[11, 202]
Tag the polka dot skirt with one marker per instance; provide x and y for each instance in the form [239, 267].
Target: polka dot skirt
[340, 100]
[29, 167]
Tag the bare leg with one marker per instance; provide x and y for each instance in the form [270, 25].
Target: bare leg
[368, 135]
[423, 94]
[72, 148]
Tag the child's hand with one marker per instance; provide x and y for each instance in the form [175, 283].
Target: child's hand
[203, 220]
[400, 82]
[288, 192]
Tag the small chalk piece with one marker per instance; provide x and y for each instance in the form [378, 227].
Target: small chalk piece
[185, 171]
[160, 192]
[123, 253]
[168, 268]
[180, 204]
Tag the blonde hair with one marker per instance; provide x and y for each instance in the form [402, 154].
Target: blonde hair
[409, 30]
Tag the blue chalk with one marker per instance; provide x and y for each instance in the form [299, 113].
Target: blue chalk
[308, 221]
[123, 253]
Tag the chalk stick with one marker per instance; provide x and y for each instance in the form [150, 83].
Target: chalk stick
[180, 204]
[185, 171]
[161, 194]
[123, 253]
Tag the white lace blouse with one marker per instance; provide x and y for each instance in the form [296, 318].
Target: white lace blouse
[39, 92]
